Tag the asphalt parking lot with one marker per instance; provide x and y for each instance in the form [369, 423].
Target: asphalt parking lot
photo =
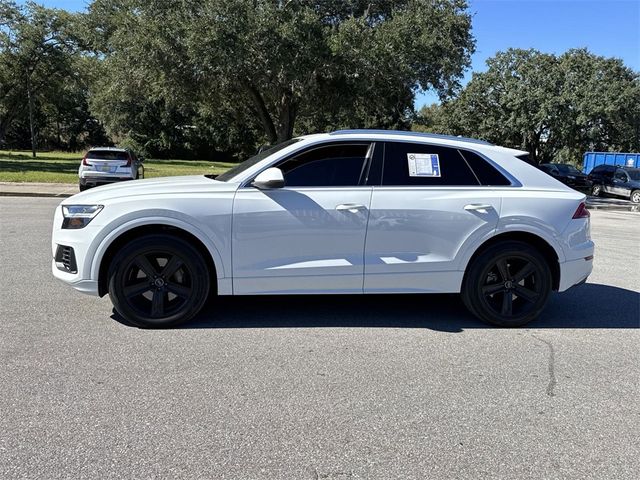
[317, 388]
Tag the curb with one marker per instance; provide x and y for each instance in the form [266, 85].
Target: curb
[612, 207]
[34, 194]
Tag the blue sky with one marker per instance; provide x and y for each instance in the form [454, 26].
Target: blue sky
[606, 27]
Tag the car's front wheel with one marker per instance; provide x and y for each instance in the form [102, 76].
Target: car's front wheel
[158, 281]
[635, 196]
[508, 284]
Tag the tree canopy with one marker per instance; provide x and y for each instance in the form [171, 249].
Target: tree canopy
[205, 78]
[555, 107]
[43, 79]
[263, 70]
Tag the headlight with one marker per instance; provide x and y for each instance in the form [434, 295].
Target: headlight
[79, 216]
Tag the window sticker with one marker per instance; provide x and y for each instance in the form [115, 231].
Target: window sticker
[423, 164]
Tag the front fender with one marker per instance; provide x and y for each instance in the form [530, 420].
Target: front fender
[111, 231]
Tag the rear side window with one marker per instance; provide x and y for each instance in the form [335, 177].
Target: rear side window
[107, 155]
[330, 166]
[487, 174]
[419, 164]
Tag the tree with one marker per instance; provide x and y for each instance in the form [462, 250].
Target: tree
[44, 80]
[271, 68]
[552, 107]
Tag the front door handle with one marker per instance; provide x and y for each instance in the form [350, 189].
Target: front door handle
[350, 207]
[478, 207]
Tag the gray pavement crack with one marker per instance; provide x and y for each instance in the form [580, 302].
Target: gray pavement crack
[551, 366]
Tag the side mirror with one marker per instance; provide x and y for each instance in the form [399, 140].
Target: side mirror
[270, 178]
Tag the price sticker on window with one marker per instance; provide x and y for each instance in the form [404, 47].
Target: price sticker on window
[423, 164]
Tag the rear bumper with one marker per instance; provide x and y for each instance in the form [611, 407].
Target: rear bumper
[575, 272]
[102, 180]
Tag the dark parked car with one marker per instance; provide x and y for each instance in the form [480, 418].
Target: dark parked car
[567, 174]
[615, 180]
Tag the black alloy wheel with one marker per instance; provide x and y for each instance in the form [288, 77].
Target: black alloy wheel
[158, 281]
[507, 285]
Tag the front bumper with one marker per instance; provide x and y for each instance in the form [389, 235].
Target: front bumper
[90, 287]
[79, 240]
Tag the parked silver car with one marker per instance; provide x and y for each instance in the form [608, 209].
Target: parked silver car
[108, 165]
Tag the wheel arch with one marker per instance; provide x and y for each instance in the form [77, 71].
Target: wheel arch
[545, 248]
[117, 241]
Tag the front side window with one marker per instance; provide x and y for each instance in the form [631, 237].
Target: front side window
[621, 176]
[338, 165]
[419, 164]
[264, 153]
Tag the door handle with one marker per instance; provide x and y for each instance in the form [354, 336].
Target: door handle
[350, 207]
[478, 207]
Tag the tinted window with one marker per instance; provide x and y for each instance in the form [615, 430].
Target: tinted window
[487, 174]
[107, 155]
[331, 166]
[634, 174]
[453, 169]
[566, 168]
[607, 173]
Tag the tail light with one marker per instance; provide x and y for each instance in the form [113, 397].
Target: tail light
[84, 160]
[582, 211]
[128, 161]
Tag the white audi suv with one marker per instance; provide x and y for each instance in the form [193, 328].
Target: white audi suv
[352, 211]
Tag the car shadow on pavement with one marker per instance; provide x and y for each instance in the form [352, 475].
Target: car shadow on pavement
[587, 306]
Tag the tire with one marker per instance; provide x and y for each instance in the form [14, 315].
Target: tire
[635, 196]
[507, 285]
[158, 281]
[596, 190]
[82, 187]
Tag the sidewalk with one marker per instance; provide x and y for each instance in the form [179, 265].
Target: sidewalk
[62, 190]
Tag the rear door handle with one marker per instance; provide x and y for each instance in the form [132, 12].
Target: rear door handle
[477, 207]
[350, 207]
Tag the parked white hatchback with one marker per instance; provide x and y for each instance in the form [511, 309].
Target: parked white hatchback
[105, 165]
[354, 211]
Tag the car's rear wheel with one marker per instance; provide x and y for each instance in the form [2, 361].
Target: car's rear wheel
[82, 187]
[508, 284]
[596, 190]
[635, 196]
[158, 281]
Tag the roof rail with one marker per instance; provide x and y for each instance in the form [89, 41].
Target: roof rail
[410, 134]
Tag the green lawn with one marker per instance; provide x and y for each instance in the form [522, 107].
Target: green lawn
[62, 167]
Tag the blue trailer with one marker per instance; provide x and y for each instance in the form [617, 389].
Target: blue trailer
[593, 159]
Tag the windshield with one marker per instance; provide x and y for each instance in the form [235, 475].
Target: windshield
[634, 174]
[567, 168]
[234, 171]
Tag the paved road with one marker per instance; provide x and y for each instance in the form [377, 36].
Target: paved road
[325, 388]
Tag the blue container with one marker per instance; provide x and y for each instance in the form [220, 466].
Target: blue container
[593, 159]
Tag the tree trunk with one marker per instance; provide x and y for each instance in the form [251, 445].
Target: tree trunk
[263, 113]
[31, 125]
[287, 117]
